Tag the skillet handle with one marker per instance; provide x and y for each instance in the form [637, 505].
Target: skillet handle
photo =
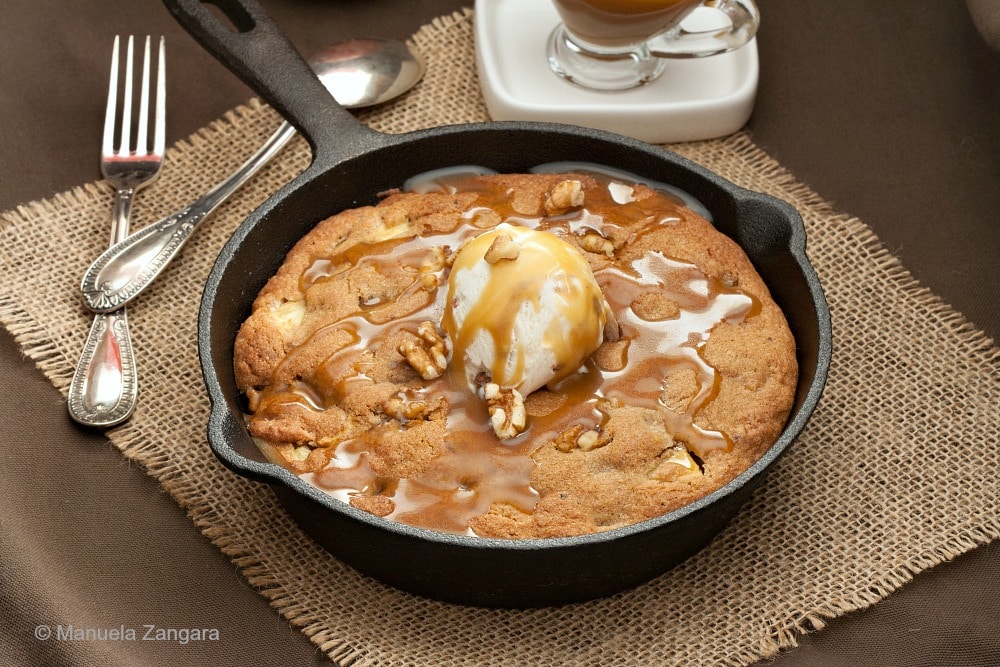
[253, 47]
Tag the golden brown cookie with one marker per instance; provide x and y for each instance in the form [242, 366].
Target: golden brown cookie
[348, 379]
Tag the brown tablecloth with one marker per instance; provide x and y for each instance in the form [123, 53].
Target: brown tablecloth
[901, 134]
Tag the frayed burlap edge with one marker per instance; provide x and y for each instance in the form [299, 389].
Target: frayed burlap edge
[33, 340]
[787, 637]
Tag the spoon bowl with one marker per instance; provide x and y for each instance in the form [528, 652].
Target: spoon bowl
[365, 72]
[357, 73]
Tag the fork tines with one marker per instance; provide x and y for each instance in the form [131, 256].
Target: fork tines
[142, 132]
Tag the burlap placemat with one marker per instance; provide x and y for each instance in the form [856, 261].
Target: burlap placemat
[895, 473]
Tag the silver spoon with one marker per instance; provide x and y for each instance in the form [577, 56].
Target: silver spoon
[358, 73]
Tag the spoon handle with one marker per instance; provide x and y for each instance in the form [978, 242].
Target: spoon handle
[104, 389]
[105, 386]
[123, 271]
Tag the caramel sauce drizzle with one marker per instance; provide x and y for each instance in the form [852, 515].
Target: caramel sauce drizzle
[545, 263]
[476, 469]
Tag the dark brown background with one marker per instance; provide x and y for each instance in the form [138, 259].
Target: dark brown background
[888, 110]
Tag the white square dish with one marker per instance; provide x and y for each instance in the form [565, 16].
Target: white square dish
[694, 99]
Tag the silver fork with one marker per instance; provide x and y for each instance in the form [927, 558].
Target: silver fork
[105, 387]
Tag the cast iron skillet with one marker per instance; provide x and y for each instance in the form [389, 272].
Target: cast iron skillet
[351, 165]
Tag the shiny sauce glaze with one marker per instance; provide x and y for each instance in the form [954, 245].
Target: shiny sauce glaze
[476, 469]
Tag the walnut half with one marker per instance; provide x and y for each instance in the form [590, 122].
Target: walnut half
[503, 247]
[564, 195]
[506, 408]
[429, 354]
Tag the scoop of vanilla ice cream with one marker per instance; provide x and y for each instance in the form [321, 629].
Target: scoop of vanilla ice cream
[523, 309]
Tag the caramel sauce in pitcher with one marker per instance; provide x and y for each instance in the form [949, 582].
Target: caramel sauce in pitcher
[665, 309]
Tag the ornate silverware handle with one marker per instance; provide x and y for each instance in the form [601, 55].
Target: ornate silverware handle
[105, 385]
[123, 271]
[104, 390]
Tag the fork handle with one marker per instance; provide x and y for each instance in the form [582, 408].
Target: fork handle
[104, 389]
[125, 269]
[121, 213]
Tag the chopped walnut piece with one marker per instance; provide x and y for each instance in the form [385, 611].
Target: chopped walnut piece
[437, 342]
[402, 410]
[405, 406]
[506, 408]
[566, 441]
[503, 247]
[578, 437]
[565, 194]
[428, 355]
[429, 282]
[594, 242]
[431, 266]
